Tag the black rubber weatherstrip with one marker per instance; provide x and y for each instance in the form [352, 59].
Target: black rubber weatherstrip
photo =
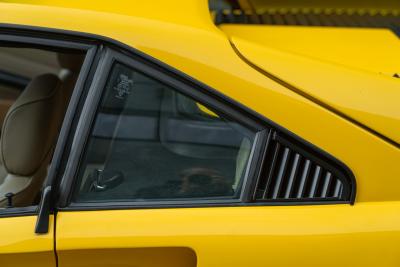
[313, 99]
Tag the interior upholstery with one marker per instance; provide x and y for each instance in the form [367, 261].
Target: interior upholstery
[26, 140]
[29, 132]
[22, 64]
[3, 173]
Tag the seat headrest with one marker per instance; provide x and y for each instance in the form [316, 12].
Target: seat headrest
[31, 126]
[72, 62]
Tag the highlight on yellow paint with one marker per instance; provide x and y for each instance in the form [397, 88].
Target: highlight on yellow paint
[206, 110]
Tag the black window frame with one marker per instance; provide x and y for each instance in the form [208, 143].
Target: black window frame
[180, 83]
[40, 38]
[209, 97]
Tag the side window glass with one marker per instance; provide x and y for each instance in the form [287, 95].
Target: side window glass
[150, 142]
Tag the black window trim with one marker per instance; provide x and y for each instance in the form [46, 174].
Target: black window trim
[93, 40]
[27, 37]
[82, 134]
[214, 100]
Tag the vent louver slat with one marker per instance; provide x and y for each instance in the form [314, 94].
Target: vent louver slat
[303, 180]
[282, 169]
[293, 172]
[292, 176]
[315, 180]
[332, 18]
[272, 169]
[326, 184]
[322, 18]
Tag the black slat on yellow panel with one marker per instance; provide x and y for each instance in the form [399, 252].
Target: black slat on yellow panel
[333, 13]
[294, 173]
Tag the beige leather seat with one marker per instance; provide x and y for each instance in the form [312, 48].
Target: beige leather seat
[29, 134]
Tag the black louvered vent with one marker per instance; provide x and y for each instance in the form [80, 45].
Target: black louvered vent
[294, 172]
[329, 18]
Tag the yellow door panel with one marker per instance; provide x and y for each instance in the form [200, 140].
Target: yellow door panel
[365, 234]
[20, 246]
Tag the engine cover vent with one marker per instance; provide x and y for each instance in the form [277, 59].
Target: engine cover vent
[322, 18]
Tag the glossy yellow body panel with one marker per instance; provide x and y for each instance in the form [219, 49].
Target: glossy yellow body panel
[20, 246]
[194, 14]
[370, 50]
[339, 78]
[340, 235]
[366, 234]
[206, 110]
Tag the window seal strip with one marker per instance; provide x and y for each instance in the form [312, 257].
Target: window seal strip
[110, 58]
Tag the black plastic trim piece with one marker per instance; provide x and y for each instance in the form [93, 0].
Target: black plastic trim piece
[83, 126]
[42, 222]
[132, 205]
[323, 18]
[256, 180]
[18, 212]
[73, 112]
[255, 168]
[324, 162]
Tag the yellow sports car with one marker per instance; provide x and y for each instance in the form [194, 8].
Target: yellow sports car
[184, 133]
